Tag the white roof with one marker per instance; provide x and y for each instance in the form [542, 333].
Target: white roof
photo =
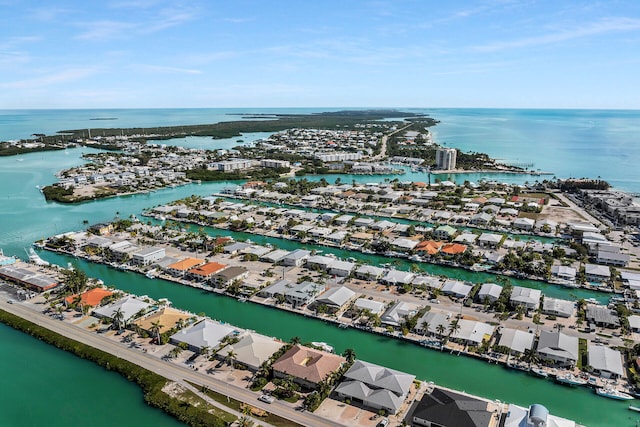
[336, 296]
[253, 349]
[634, 321]
[490, 237]
[490, 289]
[603, 358]
[129, 306]
[456, 287]
[398, 276]
[517, 416]
[473, 331]
[526, 295]
[396, 314]
[380, 377]
[556, 305]
[206, 333]
[375, 307]
[516, 339]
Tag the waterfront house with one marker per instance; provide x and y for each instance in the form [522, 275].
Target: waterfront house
[183, 266]
[398, 312]
[515, 340]
[206, 271]
[606, 362]
[252, 349]
[148, 256]
[98, 242]
[203, 334]
[343, 219]
[91, 298]
[363, 222]
[337, 237]
[529, 298]
[229, 275]
[602, 316]
[453, 249]
[373, 307]
[563, 272]
[341, 268]
[558, 347]
[278, 288]
[597, 273]
[444, 232]
[403, 245]
[456, 288]
[369, 272]
[489, 292]
[481, 219]
[122, 251]
[611, 255]
[308, 367]
[525, 224]
[375, 386]
[431, 282]
[296, 258]
[442, 407]
[335, 298]
[361, 237]
[430, 247]
[235, 247]
[102, 229]
[129, 306]
[534, 416]
[397, 277]
[489, 240]
[431, 320]
[546, 224]
[382, 225]
[274, 256]
[319, 262]
[303, 293]
[466, 238]
[472, 332]
[557, 307]
[634, 323]
[257, 250]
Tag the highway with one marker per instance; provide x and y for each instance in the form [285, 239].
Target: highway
[166, 369]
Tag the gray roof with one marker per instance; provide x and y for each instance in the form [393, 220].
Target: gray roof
[370, 270]
[601, 314]
[206, 333]
[336, 296]
[558, 344]
[380, 377]
[396, 314]
[603, 358]
[372, 397]
[433, 319]
[375, 307]
[275, 256]
[129, 306]
[398, 276]
[516, 340]
[557, 306]
[489, 289]
[253, 349]
[528, 296]
[447, 408]
[456, 288]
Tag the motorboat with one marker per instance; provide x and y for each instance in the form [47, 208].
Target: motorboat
[322, 345]
[612, 393]
[570, 379]
[539, 372]
[634, 408]
[35, 258]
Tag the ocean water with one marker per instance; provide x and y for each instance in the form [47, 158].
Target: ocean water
[567, 143]
[26, 217]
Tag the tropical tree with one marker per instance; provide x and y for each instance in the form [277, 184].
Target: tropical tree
[441, 329]
[118, 318]
[295, 340]
[350, 355]
[230, 357]
[530, 356]
[425, 327]
[454, 327]
[155, 330]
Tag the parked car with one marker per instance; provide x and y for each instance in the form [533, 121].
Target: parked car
[266, 398]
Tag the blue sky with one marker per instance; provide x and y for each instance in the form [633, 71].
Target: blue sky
[347, 53]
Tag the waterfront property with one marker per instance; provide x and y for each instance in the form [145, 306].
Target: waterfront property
[206, 333]
[252, 349]
[558, 347]
[375, 386]
[442, 407]
[308, 367]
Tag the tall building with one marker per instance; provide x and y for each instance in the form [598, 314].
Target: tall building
[446, 158]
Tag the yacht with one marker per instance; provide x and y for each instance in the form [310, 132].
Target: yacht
[323, 345]
[539, 372]
[35, 258]
[612, 393]
[570, 379]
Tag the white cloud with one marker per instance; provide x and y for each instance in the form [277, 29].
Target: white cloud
[604, 26]
[50, 79]
[164, 69]
[106, 30]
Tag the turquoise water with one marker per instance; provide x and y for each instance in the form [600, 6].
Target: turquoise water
[26, 217]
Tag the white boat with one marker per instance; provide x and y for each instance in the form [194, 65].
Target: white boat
[634, 408]
[35, 258]
[151, 274]
[612, 393]
[323, 345]
[570, 379]
[539, 372]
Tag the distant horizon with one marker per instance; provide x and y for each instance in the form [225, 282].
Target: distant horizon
[321, 108]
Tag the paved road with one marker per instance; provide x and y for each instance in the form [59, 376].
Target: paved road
[166, 369]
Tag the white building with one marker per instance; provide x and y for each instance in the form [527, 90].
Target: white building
[446, 158]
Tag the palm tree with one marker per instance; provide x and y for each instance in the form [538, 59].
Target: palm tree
[425, 327]
[454, 327]
[350, 355]
[441, 329]
[295, 340]
[155, 329]
[118, 318]
[230, 357]
[530, 356]
[558, 326]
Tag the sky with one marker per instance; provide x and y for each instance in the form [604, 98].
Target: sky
[329, 53]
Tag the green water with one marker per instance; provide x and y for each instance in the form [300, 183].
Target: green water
[77, 392]
[459, 372]
[44, 386]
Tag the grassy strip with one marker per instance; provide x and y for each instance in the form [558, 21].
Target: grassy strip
[150, 382]
[237, 406]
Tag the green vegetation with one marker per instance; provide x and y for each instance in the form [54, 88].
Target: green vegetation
[150, 382]
[214, 175]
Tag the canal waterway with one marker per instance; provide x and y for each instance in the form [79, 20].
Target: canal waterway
[27, 217]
